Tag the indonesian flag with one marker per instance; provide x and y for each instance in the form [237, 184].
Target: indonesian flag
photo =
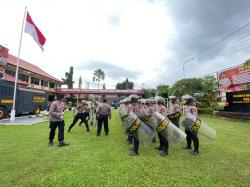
[33, 30]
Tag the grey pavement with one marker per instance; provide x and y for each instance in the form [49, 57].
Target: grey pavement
[24, 120]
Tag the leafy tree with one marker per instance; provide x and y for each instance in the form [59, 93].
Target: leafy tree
[247, 62]
[125, 85]
[98, 76]
[149, 93]
[163, 90]
[104, 86]
[80, 82]
[119, 86]
[68, 80]
[187, 86]
[209, 85]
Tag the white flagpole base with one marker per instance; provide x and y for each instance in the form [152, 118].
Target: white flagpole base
[12, 115]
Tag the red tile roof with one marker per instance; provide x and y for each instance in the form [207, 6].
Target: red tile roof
[12, 79]
[30, 67]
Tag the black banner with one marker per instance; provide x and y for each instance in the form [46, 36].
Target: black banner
[174, 115]
[195, 127]
[238, 101]
[162, 126]
[133, 128]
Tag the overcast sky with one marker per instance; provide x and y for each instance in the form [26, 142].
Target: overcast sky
[146, 41]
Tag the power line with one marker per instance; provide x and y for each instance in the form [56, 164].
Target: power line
[224, 38]
[220, 52]
[216, 53]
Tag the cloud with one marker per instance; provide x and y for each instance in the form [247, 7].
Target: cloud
[112, 71]
[114, 20]
[199, 24]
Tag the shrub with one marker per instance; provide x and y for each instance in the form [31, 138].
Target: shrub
[208, 111]
[216, 106]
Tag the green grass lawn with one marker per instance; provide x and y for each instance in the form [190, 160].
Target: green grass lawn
[26, 160]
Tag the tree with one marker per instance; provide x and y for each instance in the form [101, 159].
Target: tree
[125, 85]
[119, 86]
[80, 82]
[187, 86]
[149, 93]
[98, 76]
[247, 62]
[163, 90]
[104, 86]
[209, 85]
[69, 78]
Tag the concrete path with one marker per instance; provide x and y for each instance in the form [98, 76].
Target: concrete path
[24, 120]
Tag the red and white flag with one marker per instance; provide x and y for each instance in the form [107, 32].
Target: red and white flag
[33, 30]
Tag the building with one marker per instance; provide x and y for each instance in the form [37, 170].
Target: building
[109, 94]
[29, 76]
[233, 79]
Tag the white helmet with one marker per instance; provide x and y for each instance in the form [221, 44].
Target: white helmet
[185, 97]
[159, 99]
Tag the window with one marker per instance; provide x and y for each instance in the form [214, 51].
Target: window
[23, 77]
[34, 81]
[9, 72]
[44, 83]
[52, 85]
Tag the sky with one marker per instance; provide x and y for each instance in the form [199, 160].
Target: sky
[146, 41]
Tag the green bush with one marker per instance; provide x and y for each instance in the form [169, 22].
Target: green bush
[208, 111]
[216, 106]
[203, 103]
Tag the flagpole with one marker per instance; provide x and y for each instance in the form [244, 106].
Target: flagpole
[13, 111]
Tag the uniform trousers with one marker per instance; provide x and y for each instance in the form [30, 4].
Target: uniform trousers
[53, 126]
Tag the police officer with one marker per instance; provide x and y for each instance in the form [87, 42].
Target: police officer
[174, 108]
[56, 113]
[102, 114]
[134, 107]
[163, 140]
[190, 108]
[81, 110]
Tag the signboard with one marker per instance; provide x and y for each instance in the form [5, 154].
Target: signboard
[231, 79]
[3, 55]
[238, 101]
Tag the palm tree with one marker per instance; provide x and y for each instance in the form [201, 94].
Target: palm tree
[98, 76]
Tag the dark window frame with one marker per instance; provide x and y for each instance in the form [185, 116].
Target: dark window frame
[35, 81]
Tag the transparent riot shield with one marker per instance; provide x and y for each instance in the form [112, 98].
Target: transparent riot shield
[137, 128]
[93, 120]
[149, 118]
[168, 129]
[195, 125]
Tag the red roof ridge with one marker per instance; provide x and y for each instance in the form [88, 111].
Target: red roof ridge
[30, 67]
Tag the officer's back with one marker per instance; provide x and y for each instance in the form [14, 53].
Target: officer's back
[103, 113]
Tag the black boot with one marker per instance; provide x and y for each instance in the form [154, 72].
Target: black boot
[50, 143]
[62, 143]
[164, 153]
[159, 148]
[188, 147]
[195, 152]
[133, 153]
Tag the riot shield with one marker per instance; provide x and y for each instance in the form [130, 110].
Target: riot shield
[168, 129]
[137, 128]
[93, 117]
[195, 125]
[164, 126]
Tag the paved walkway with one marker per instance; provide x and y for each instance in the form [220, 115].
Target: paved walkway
[24, 120]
